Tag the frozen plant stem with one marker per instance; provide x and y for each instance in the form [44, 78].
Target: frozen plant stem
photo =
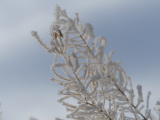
[87, 46]
[128, 100]
[113, 83]
[89, 75]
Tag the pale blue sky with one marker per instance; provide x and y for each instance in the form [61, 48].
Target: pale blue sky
[132, 29]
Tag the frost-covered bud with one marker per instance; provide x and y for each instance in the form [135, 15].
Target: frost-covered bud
[76, 18]
[140, 97]
[54, 31]
[57, 12]
[33, 33]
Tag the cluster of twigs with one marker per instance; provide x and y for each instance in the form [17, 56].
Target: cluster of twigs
[99, 85]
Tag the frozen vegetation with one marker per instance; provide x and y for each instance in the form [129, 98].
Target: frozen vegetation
[100, 86]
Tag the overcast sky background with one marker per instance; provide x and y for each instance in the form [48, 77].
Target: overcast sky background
[132, 29]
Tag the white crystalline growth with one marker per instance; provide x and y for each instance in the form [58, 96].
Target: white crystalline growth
[88, 75]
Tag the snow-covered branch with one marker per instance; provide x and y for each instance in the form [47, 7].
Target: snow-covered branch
[100, 86]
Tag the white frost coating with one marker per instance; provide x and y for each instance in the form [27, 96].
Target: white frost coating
[88, 30]
[131, 95]
[33, 33]
[88, 75]
[54, 29]
[147, 105]
[58, 13]
[140, 96]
